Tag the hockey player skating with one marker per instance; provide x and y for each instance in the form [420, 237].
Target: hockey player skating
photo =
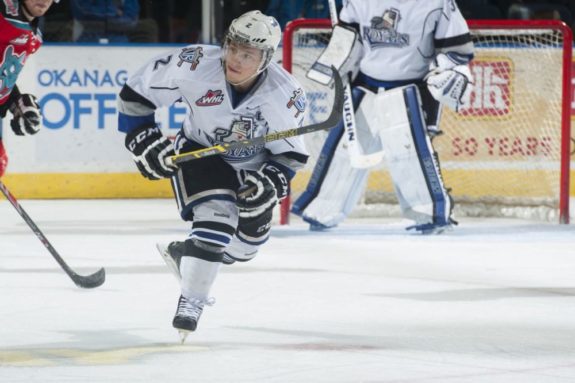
[233, 93]
[406, 58]
[20, 38]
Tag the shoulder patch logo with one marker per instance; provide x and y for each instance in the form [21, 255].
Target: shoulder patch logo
[211, 98]
[191, 56]
[11, 7]
[297, 101]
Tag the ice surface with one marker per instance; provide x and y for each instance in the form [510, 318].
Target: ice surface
[493, 301]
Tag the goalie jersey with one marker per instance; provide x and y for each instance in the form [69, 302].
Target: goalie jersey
[397, 44]
[217, 113]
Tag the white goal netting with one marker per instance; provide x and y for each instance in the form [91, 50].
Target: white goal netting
[502, 156]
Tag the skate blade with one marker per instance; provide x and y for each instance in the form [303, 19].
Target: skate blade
[169, 261]
[183, 335]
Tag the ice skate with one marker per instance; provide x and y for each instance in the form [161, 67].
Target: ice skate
[433, 228]
[187, 316]
[228, 260]
[316, 225]
[172, 255]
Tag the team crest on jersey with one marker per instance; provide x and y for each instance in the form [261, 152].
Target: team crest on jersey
[383, 31]
[211, 98]
[11, 7]
[10, 67]
[20, 40]
[297, 101]
[241, 129]
[191, 56]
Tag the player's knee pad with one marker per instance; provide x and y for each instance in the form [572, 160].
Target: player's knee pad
[215, 222]
[251, 234]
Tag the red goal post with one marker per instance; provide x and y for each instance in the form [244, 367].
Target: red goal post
[508, 154]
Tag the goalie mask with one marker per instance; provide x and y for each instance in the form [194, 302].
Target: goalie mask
[256, 30]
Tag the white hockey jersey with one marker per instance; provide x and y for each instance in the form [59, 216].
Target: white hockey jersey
[400, 37]
[195, 76]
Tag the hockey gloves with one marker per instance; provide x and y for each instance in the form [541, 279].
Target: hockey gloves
[26, 115]
[150, 149]
[3, 159]
[449, 80]
[261, 191]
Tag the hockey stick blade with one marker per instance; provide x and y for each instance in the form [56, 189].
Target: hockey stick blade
[85, 281]
[333, 119]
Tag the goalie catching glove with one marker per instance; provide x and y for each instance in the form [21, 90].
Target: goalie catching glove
[150, 149]
[449, 80]
[261, 191]
[26, 115]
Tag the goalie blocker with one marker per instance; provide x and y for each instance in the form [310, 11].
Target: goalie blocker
[394, 122]
[343, 52]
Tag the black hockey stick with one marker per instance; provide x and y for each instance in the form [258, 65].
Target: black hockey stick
[333, 119]
[88, 281]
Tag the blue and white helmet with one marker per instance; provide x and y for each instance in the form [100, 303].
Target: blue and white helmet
[256, 30]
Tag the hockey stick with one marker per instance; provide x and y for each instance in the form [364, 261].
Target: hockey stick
[88, 281]
[356, 157]
[333, 119]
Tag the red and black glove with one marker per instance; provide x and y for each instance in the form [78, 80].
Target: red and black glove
[26, 115]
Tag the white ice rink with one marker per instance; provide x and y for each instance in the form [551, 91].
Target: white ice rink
[491, 302]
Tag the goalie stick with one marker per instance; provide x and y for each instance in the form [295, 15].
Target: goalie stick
[333, 119]
[88, 281]
[356, 156]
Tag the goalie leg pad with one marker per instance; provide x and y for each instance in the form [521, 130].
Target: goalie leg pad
[335, 186]
[411, 159]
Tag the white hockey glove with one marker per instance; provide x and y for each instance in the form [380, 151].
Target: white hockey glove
[26, 115]
[150, 149]
[261, 191]
[344, 51]
[449, 81]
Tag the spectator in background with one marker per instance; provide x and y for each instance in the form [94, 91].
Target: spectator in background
[288, 10]
[549, 9]
[161, 12]
[319, 9]
[104, 20]
[481, 9]
[285, 10]
[56, 24]
[186, 21]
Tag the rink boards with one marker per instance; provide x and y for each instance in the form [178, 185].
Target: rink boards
[80, 153]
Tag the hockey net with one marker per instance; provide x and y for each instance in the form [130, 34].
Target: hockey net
[507, 154]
